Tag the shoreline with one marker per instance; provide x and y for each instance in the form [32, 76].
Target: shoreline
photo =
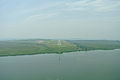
[55, 53]
[33, 47]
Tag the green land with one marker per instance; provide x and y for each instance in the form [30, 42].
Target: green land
[44, 46]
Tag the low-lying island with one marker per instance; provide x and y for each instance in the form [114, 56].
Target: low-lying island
[43, 46]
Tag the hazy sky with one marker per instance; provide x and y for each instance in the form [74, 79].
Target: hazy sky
[69, 19]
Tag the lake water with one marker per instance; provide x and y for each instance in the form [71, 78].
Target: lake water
[84, 65]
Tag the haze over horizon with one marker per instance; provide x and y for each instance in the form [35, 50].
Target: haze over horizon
[60, 19]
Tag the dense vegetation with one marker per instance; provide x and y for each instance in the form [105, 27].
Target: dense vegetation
[39, 46]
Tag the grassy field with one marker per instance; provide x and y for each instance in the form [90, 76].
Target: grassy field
[41, 46]
[23, 47]
[96, 44]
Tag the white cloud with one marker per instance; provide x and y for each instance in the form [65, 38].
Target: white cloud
[108, 6]
[40, 17]
[94, 5]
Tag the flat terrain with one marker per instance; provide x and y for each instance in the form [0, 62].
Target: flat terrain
[96, 44]
[41, 46]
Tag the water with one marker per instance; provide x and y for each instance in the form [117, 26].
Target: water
[84, 65]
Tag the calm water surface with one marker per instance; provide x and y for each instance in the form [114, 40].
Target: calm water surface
[84, 65]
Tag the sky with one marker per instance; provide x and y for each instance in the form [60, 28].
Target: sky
[60, 19]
